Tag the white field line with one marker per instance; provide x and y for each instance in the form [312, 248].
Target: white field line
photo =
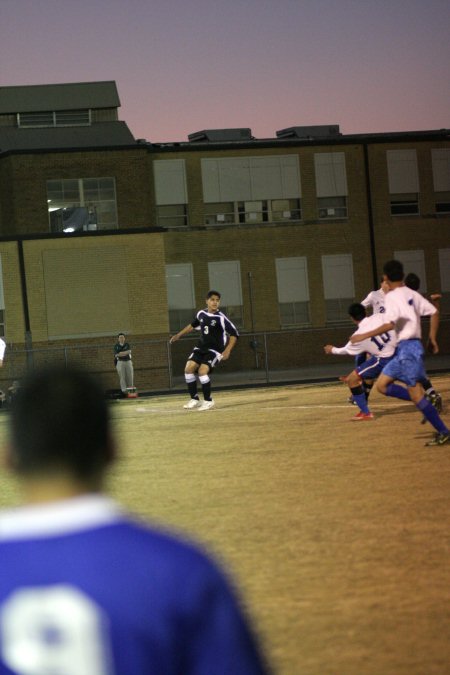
[233, 408]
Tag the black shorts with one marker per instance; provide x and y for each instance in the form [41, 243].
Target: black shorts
[207, 356]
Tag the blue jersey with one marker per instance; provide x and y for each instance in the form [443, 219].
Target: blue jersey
[85, 590]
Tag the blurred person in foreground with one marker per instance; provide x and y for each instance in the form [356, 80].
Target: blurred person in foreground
[85, 588]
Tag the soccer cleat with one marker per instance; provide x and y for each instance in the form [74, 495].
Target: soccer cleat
[439, 439]
[436, 401]
[362, 417]
[206, 405]
[193, 403]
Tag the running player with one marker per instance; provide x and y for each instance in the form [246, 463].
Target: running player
[404, 309]
[380, 349]
[375, 299]
[86, 588]
[413, 282]
[218, 337]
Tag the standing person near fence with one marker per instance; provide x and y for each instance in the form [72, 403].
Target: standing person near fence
[404, 310]
[124, 364]
[218, 337]
[86, 588]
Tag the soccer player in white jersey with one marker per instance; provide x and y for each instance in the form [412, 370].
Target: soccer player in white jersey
[413, 282]
[375, 299]
[404, 309]
[380, 349]
[86, 588]
[218, 337]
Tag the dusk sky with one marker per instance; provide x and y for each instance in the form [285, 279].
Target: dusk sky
[186, 65]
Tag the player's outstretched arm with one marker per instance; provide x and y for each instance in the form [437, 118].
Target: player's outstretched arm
[432, 341]
[184, 331]
[359, 337]
[227, 351]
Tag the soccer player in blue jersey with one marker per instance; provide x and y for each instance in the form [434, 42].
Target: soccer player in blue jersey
[404, 310]
[218, 337]
[84, 588]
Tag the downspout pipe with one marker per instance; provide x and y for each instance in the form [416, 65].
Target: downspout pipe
[26, 313]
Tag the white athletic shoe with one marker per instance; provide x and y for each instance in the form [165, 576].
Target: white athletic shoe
[193, 403]
[206, 405]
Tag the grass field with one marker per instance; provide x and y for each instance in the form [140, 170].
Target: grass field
[337, 533]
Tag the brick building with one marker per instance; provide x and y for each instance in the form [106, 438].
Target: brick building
[100, 232]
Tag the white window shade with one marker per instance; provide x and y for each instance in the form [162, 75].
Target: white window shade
[251, 178]
[225, 277]
[170, 181]
[331, 176]
[402, 171]
[413, 261]
[275, 177]
[292, 279]
[440, 158]
[180, 286]
[338, 276]
[444, 266]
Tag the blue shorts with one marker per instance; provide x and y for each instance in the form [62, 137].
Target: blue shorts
[407, 363]
[372, 367]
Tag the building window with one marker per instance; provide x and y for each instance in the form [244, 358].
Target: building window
[293, 291]
[82, 204]
[172, 215]
[339, 292]
[251, 189]
[170, 192]
[220, 214]
[59, 118]
[225, 277]
[442, 202]
[405, 205]
[331, 185]
[413, 261]
[180, 295]
[403, 179]
[261, 211]
[332, 207]
[440, 158]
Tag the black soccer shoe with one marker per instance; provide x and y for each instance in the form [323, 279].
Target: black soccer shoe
[439, 439]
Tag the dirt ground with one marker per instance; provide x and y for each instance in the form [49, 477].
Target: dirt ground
[336, 533]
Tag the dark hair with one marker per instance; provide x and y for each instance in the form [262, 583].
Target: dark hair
[60, 421]
[357, 311]
[412, 281]
[210, 293]
[119, 334]
[393, 269]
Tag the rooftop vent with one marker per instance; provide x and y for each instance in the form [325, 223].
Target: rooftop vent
[319, 131]
[219, 135]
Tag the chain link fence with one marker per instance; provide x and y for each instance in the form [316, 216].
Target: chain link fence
[258, 358]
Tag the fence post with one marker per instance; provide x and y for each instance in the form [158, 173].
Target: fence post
[266, 358]
[169, 364]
